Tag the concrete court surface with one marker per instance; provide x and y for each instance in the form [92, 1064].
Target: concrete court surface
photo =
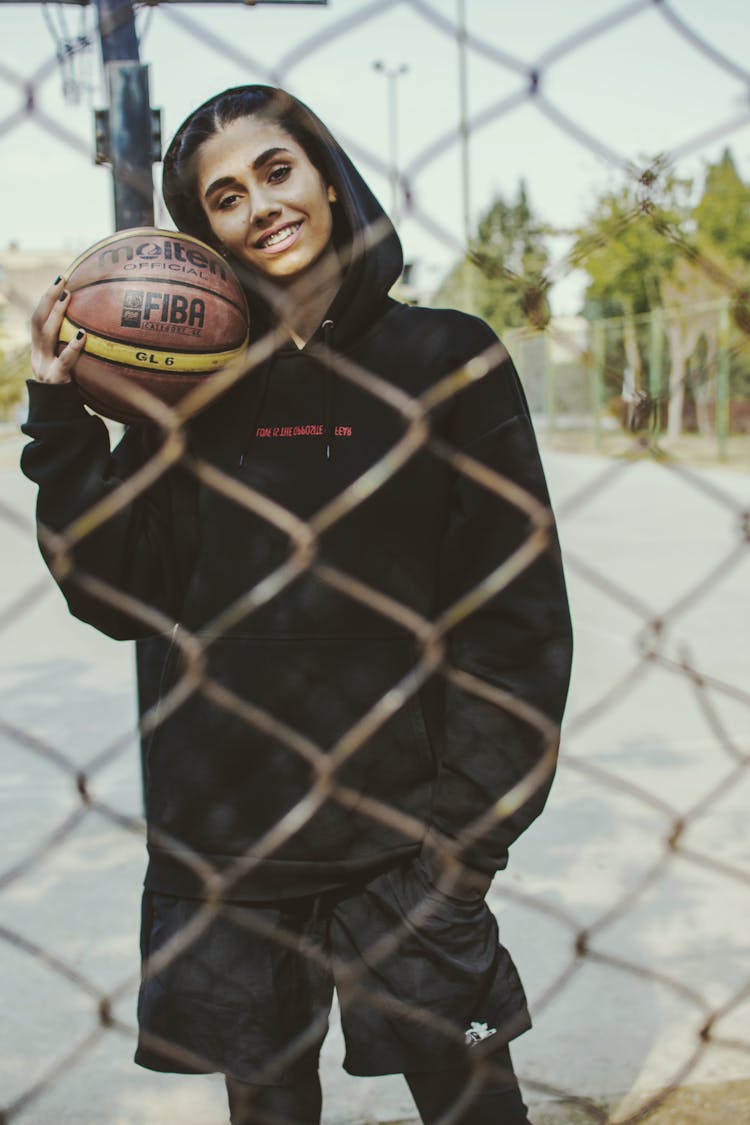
[679, 945]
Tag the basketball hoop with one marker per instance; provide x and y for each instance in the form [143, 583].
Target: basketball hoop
[72, 51]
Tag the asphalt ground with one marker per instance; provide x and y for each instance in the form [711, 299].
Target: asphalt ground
[645, 744]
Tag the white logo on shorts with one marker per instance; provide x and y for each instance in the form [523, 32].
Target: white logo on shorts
[477, 1032]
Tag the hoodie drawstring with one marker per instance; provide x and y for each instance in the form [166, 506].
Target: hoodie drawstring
[327, 327]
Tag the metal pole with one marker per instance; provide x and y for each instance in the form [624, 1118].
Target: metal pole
[126, 135]
[393, 130]
[117, 30]
[463, 109]
[392, 74]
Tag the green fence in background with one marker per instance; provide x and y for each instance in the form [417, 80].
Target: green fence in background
[680, 376]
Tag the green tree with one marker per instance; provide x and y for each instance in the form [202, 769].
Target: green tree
[628, 245]
[722, 243]
[503, 278]
[646, 247]
[722, 214]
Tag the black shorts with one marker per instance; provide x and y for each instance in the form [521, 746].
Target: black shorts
[420, 976]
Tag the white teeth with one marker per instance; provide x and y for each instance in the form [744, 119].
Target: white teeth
[279, 235]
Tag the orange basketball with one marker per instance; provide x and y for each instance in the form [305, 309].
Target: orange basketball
[162, 312]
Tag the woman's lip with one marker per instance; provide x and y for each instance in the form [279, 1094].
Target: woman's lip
[285, 243]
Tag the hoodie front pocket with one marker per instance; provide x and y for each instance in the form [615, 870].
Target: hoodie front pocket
[245, 752]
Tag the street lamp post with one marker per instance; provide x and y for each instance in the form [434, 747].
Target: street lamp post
[463, 108]
[392, 73]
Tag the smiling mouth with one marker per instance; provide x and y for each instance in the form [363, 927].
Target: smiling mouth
[278, 236]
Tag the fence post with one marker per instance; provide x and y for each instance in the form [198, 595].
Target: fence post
[656, 373]
[722, 382]
[548, 368]
[599, 351]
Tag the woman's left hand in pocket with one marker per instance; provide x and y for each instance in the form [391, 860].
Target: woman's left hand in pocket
[448, 874]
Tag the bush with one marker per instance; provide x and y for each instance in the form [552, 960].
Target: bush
[15, 369]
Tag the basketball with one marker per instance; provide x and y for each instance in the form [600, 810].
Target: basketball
[162, 312]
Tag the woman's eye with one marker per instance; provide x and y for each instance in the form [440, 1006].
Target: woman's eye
[278, 174]
[226, 201]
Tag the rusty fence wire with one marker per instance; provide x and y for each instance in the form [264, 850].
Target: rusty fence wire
[648, 807]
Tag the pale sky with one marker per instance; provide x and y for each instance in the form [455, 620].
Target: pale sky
[637, 88]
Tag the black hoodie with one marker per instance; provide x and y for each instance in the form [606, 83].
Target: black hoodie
[328, 510]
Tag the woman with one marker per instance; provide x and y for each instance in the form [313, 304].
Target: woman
[350, 841]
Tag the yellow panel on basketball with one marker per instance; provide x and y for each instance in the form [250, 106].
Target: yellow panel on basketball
[159, 308]
[148, 358]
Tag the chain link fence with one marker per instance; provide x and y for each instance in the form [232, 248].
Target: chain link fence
[626, 901]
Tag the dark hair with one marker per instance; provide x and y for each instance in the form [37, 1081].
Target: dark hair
[267, 102]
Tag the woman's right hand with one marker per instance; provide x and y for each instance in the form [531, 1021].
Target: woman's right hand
[46, 321]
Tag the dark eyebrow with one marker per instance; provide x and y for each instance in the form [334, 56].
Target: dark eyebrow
[263, 158]
[268, 155]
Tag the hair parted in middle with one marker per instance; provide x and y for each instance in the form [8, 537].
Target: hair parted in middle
[270, 104]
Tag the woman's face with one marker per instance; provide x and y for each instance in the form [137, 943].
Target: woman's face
[266, 202]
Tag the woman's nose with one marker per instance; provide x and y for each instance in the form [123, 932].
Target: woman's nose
[264, 209]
